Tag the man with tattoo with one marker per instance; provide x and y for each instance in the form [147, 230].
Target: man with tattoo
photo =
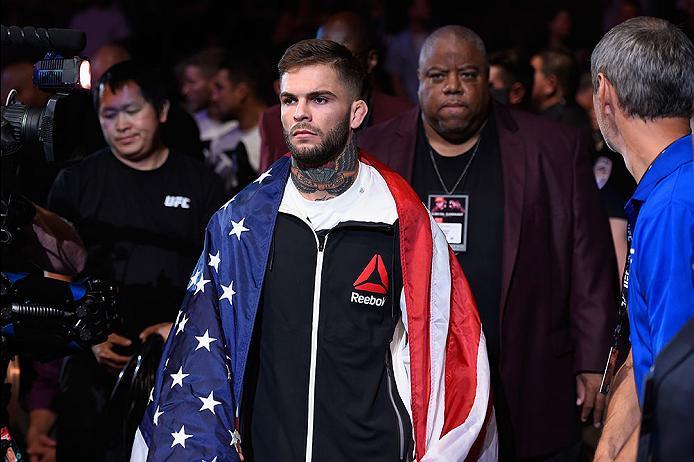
[352, 31]
[343, 326]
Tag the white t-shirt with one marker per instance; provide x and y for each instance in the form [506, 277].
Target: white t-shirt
[229, 141]
[251, 139]
[210, 128]
[367, 200]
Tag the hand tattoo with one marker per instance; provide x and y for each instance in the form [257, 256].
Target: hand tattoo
[332, 178]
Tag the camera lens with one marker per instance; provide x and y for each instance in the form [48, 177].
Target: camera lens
[25, 121]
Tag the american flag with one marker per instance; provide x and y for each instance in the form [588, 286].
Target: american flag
[193, 410]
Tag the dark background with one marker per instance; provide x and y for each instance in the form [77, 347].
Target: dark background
[164, 32]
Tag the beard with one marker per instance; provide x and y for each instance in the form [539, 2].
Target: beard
[331, 145]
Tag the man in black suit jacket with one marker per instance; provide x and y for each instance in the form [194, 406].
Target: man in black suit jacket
[532, 239]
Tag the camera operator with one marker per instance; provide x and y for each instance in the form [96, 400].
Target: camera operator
[141, 208]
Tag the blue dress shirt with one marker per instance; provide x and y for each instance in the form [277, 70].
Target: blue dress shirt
[661, 279]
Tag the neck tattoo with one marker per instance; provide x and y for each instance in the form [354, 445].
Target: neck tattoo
[329, 180]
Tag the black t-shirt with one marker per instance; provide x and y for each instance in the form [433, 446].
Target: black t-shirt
[477, 204]
[614, 181]
[143, 229]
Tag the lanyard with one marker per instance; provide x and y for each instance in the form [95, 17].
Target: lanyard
[622, 317]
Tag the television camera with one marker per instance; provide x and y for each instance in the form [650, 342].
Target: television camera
[41, 317]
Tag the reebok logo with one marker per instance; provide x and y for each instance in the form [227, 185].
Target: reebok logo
[374, 279]
[177, 201]
[367, 300]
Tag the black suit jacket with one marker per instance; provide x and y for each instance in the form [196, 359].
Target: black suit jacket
[558, 290]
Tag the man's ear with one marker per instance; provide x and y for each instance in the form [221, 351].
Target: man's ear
[243, 89]
[359, 110]
[164, 112]
[550, 85]
[605, 95]
[516, 93]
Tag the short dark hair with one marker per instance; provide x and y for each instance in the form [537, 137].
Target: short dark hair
[515, 69]
[151, 87]
[242, 69]
[207, 60]
[563, 66]
[316, 51]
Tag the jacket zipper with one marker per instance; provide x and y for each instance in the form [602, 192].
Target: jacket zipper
[395, 408]
[314, 345]
[320, 244]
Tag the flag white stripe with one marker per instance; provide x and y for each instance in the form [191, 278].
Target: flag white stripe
[140, 449]
[440, 305]
[456, 444]
[490, 451]
[400, 352]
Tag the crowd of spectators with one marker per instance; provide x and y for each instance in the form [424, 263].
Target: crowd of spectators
[185, 114]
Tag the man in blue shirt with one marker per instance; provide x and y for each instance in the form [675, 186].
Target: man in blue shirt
[661, 289]
[644, 99]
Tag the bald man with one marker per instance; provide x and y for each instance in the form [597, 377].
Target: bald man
[530, 234]
[352, 31]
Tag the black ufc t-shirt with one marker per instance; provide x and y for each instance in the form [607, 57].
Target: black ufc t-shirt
[471, 216]
[143, 229]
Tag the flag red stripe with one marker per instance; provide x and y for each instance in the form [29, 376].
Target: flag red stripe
[462, 348]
